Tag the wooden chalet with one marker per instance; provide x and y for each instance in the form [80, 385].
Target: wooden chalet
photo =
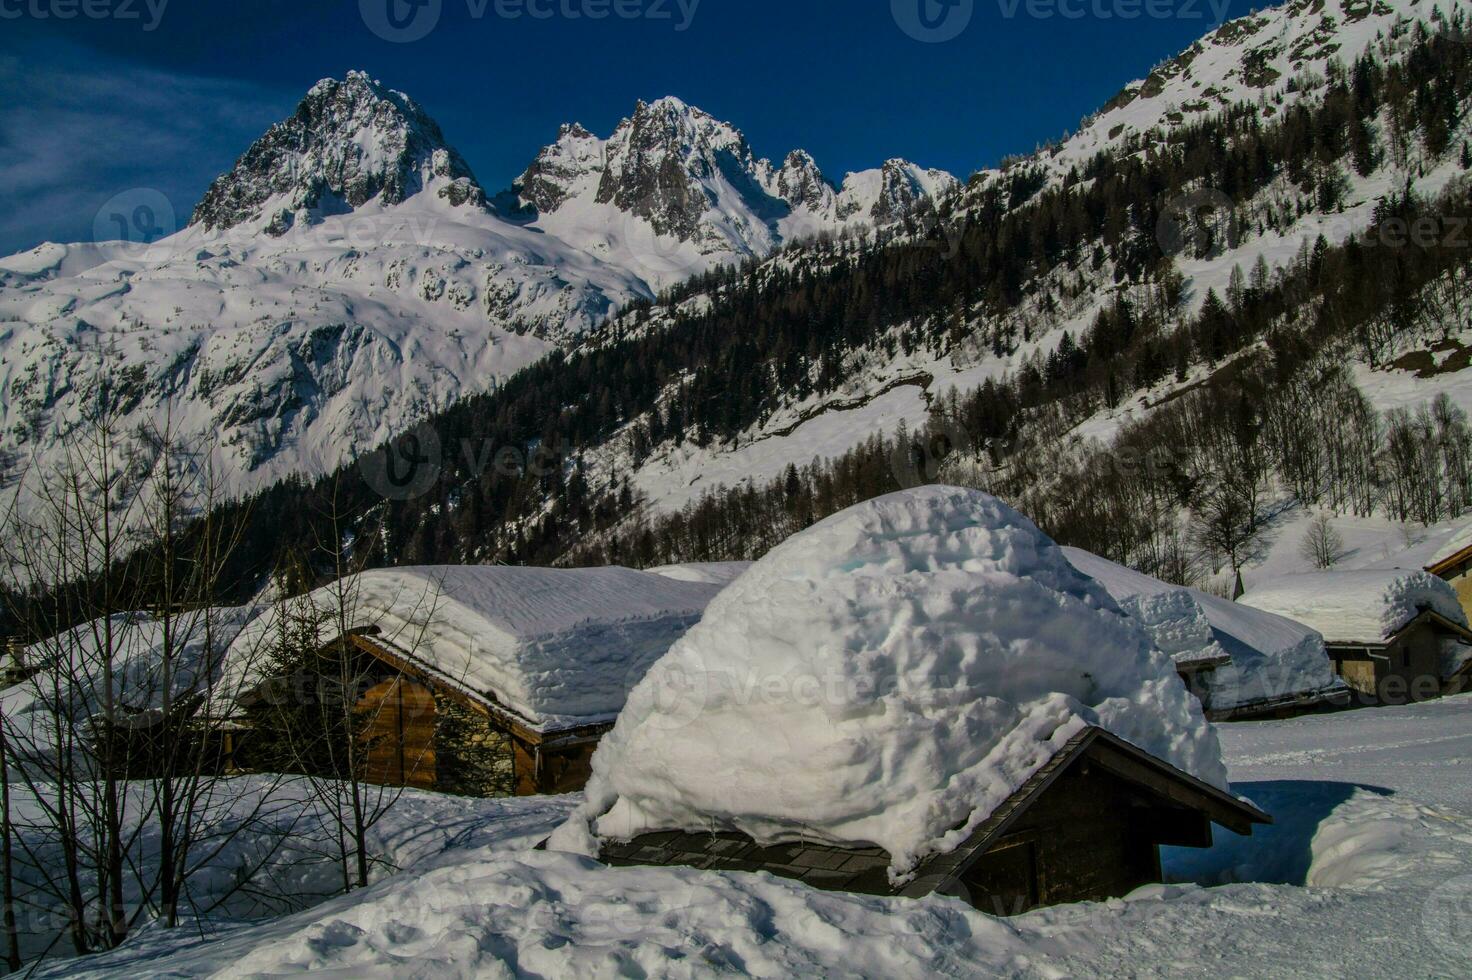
[502, 684]
[1407, 665]
[1385, 652]
[1240, 663]
[1087, 826]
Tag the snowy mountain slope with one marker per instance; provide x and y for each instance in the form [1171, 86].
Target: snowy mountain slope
[1271, 57]
[675, 191]
[1269, 61]
[348, 277]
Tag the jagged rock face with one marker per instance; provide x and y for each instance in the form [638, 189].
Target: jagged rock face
[692, 180]
[660, 161]
[801, 184]
[348, 142]
[554, 175]
[899, 190]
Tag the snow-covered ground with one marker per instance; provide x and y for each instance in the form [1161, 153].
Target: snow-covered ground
[1368, 872]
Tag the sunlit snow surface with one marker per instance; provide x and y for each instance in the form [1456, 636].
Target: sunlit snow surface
[1367, 872]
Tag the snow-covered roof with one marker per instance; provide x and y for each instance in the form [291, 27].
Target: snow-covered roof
[1452, 547]
[72, 662]
[889, 676]
[558, 647]
[1269, 657]
[711, 573]
[1357, 607]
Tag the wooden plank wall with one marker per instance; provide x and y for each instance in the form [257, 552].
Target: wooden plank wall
[398, 719]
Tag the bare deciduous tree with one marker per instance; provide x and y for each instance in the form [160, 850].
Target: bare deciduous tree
[1322, 545]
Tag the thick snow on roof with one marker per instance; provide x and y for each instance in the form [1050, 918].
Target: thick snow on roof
[711, 573]
[889, 676]
[73, 662]
[1357, 607]
[559, 647]
[1459, 542]
[1271, 657]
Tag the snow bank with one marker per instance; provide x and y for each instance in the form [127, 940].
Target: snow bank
[1360, 606]
[888, 676]
[559, 647]
[1270, 657]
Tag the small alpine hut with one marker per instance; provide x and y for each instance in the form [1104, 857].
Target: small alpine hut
[1394, 636]
[478, 680]
[916, 695]
[1240, 662]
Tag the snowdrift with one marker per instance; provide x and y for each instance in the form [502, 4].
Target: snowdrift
[1269, 657]
[1360, 606]
[887, 677]
[559, 647]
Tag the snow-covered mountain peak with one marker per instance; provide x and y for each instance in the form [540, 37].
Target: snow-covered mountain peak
[885, 195]
[674, 190]
[801, 184]
[350, 141]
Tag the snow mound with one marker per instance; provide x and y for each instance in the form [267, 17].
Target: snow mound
[559, 647]
[1357, 607]
[889, 676]
[1270, 657]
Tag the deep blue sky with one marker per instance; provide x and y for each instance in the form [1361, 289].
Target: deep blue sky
[92, 107]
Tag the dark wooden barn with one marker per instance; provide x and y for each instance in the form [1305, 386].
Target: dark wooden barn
[420, 730]
[1087, 826]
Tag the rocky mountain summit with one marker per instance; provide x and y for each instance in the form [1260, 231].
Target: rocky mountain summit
[348, 143]
[348, 276]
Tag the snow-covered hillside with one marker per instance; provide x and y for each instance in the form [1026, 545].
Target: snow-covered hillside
[349, 276]
[1269, 60]
[1366, 872]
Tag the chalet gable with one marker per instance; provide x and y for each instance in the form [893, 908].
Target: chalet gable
[1169, 807]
